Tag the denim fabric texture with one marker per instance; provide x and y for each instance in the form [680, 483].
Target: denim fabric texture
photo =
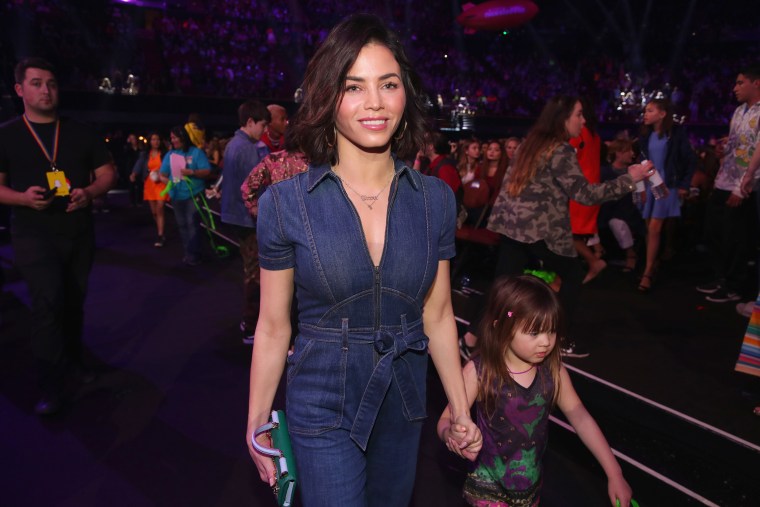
[240, 157]
[361, 350]
[189, 225]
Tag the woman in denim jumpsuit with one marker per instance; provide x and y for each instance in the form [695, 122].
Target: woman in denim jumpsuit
[366, 241]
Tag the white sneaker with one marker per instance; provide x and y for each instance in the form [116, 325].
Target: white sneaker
[745, 309]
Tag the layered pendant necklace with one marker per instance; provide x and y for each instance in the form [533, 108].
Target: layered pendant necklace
[368, 200]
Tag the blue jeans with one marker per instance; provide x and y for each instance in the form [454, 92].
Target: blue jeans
[334, 472]
[189, 224]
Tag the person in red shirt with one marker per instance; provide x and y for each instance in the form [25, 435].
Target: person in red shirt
[274, 135]
[441, 164]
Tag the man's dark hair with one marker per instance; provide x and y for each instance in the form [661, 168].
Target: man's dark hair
[440, 144]
[254, 110]
[184, 138]
[751, 71]
[34, 62]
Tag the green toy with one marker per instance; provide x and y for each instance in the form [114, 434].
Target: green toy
[207, 218]
[547, 276]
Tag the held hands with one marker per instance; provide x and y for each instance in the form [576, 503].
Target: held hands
[619, 490]
[463, 438]
[187, 172]
[641, 171]
[264, 464]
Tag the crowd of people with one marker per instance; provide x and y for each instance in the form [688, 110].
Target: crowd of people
[364, 240]
[638, 231]
[202, 48]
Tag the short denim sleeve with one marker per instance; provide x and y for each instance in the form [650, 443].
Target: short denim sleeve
[446, 246]
[275, 251]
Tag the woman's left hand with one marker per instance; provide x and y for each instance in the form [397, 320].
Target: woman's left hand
[465, 439]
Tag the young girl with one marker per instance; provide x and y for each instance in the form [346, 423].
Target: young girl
[468, 160]
[516, 379]
[667, 146]
[149, 165]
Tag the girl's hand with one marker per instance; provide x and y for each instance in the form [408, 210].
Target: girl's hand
[264, 464]
[618, 489]
[464, 438]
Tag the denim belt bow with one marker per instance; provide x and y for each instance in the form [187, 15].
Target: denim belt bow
[391, 348]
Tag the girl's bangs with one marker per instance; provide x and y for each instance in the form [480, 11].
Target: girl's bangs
[544, 320]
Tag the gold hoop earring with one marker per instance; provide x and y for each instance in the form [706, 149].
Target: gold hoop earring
[401, 135]
[327, 139]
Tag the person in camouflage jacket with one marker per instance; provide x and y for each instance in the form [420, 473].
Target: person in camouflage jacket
[531, 210]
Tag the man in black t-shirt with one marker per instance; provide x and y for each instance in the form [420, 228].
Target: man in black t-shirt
[50, 170]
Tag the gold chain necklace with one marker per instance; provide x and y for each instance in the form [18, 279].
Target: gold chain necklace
[368, 200]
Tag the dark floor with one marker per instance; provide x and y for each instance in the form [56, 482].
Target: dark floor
[164, 424]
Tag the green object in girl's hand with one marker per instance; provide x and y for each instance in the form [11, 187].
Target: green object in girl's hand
[634, 503]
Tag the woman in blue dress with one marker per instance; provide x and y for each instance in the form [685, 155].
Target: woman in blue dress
[366, 242]
[667, 146]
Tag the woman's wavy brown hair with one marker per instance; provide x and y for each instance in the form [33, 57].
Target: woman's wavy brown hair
[548, 132]
[324, 84]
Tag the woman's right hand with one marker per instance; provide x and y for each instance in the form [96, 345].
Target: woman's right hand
[641, 171]
[264, 464]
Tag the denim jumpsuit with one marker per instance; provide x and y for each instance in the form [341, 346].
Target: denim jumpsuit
[356, 380]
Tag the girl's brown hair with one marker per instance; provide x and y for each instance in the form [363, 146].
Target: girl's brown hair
[501, 170]
[463, 165]
[324, 82]
[548, 132]
[522, 303]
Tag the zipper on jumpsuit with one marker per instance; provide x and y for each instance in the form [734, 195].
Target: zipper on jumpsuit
[375, 269]
[377, 277]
